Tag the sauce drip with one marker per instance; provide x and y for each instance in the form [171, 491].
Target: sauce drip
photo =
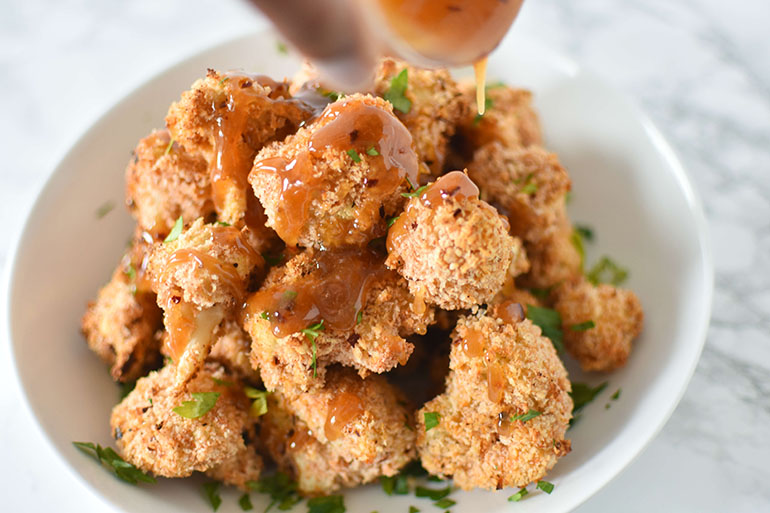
[344, 408]
[180, 324]
[496, 381]
[473, 343]
[455, 185]
[480, 70]
[344, 126]
[299, 439]
[510, 312]
[335, 291]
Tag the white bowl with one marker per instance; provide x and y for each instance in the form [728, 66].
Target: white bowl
[627, 184]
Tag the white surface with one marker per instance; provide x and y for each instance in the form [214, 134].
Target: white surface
[699, 69]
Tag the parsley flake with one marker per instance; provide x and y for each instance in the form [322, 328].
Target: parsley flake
[432, 494]
[412, 509]
[516, 497]
[353, 154]
[616, 395]
[280, 46]
[200, 405]
[332, 95]
[175, 231]
[431, 419]
[607, 271]
[211, 491]
[105, 209]
[327, 504]
[170, 145]
[312, 332]
[259, 406]
[395, 94]
[585, 231]
[529, 188]
[549, 322]
[130, 272]
[265, 316]
[392, 221]
[583, 326]
[222, 382]
[222, 223]
[414, 194]
[359, 316]
[545, 486]
[524, 417]
[582, 394]
[245, 502]
[395, 484]
[444, 503]
[282, 490]
[117, 465]
[372, 152]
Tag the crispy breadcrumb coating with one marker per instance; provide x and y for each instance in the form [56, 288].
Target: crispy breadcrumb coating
[528, 184]
[347, 433]
[122, 325]
[553, 259]
[616, 313]
[154, 438]
[388, 314]
[437, 107]
[237, 114]
[455, 252]
[498, 370]
[163, 182]
[317, 194]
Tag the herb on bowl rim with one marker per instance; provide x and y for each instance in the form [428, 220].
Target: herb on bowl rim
[326, 504]
[211, 492]
[546, 486]
[114, 463]
[516, 497]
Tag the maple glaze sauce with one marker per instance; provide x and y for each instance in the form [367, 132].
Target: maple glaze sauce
[344, 126]
[343, 409]
[455, 185]
[334, 291]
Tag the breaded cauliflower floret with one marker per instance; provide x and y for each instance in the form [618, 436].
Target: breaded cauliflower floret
[122, 325]
[509, 118]
[164, 182]
[437, 106]
[227, 118]
[156, 439]
[528, 184]
[348, 433]
[498, 370]
[554, 258]
[373, 342]
[453, 249]
[617, 316]
[336, 182]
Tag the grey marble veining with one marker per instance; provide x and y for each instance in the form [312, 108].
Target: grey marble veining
[699, 68]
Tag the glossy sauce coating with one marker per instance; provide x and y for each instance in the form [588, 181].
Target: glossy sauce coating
[455, 185]
[335, 292]
[344, 408]
[180, 324]
[375, 135]
[299, 438]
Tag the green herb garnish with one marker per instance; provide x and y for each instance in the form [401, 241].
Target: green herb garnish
[392, 220]
[583, 326]
[395, 94]
[170, 145]
[395, 484]
[282, 490]
[130, 272]
[114, 463]
[516, 497]
[582, 394]
[585, 231]
[524, 417]
[616, 395]
[245, 502]
[222, 223]
[444, 503]
[432, 494]
[372, 152]
[431, 419]
[327, 504]
[549, 322]
[222, 382]
[545, 486]
[488, 104]
[105, 209]
[201, 403]
[607, 271]
[126, 388]
[359, 316]
[259, 406]
[211, 491]
[175, 231]
[353, 154]
[529, 188]
[414, 194]
[312, 332]
[280, 46]
[412, 509]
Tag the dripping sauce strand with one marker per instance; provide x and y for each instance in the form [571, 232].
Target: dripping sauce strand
[335, 291]
[346, 126]
[480, 71]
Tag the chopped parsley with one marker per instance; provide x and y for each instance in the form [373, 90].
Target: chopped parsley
[583, 326]
[359, 316]
[412, 509]
[582, 394]
[524, 417]
[577, 241]
[222, 382]
[616, 395]
[170, 145]
[200, 405]
[175, 231]
[117, 465]
[414, 194]
[222, 81]
[312, 332]
[265, 316]
[222, 223]
[105, 209]
[516, 497]
[545, 486]
[245, 502]
[259, 406]
[586, 232]
[395, 484]
[327, 504]
[408, 181]
[392, 221]
[282, 490]
[395, 94]
[432, 494]
[607, 271]
[529, 188]
[126, 388]
[211, 491]
[550, 323]
[488, 104]
[431, 419]
[280, 46]
[130, 272]
[444, 503]
[353, 154]
[372, 152]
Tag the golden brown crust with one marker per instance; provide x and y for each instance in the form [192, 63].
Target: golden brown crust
[474, 442]
[437, 106]
[154, 438]
[553, 259]
[164, 182]
[373, 443]
[616, 313]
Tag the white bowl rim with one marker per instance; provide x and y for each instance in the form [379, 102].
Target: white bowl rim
[612, 470]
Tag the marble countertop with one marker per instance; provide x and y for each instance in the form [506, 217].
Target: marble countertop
[699, 68]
